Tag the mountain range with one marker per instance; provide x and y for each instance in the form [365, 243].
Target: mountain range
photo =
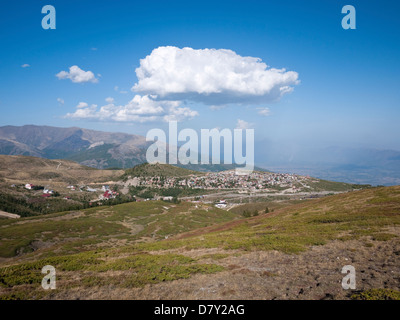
[88, 147]
[97, 149]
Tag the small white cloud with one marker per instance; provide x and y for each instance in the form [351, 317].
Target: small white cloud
[77, 75]
[116, 88]
[241, 124]
[82, 105]
[264, 112]
[217, 107]
[93, 49]
[61, 101]
[180, 114]
[25, 65]
[110, 100]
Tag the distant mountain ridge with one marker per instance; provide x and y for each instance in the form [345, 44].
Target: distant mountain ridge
[97, 149]
[89, 147]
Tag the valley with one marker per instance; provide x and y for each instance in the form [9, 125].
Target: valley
[31, 186]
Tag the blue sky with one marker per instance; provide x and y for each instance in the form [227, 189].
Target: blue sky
[348, 94]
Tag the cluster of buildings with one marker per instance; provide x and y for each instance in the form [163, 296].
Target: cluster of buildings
[46, 191]
[107, 193]
[227, 180]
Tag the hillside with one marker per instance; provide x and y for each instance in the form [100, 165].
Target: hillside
[67, 182]
[153, 170]
[295, 252]
[24, 169]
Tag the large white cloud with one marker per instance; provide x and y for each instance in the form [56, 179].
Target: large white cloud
[139, 109]
[77, 75]
[211, 76]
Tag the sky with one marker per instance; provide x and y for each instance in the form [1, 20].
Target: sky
[285, 68]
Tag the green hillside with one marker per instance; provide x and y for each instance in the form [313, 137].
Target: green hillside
[71, 232]
[153, 170]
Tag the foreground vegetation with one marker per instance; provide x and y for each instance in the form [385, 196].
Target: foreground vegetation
[377, 294]
[93, 268]
[71, 232]
[126, 245]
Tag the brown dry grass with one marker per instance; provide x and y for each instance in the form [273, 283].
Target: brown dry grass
[22, 169]
[314, 274]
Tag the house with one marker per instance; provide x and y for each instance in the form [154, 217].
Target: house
[169, 198]
[91, 189]
[105, 188]
[221, 204]
[109, 195]
[46, 195]
[29, 186]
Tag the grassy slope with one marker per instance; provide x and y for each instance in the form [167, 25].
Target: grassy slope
[356, 215]
[72, 232]
[23, 169]
[291, 229]
[322, 185]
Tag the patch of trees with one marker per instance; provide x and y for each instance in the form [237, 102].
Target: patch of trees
[16, 205]
[120, 199]
[248, 213]
[171, 192]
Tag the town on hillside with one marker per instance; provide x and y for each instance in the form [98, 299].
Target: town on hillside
[228, 180]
